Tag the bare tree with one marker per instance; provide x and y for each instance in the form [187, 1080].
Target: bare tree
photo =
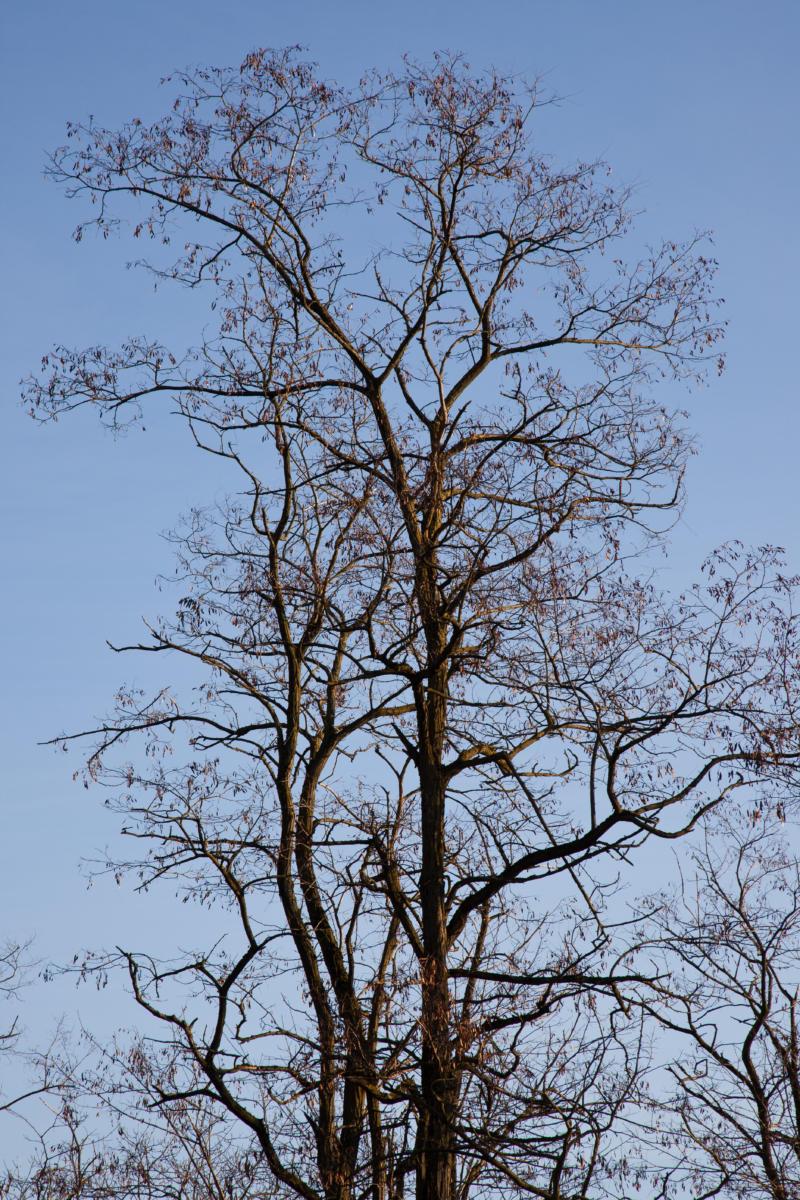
[10, 956]
[14, 970]
[101, 1146]
[440, 713]
[10, 963]
[735, 999]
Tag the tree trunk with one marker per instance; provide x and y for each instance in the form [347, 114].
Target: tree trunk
[435, 1138]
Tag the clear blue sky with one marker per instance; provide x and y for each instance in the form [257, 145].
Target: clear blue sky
[696, 101]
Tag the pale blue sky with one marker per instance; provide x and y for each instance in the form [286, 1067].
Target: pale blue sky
[696, 101]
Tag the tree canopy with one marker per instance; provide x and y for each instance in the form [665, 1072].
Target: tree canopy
[445, 708]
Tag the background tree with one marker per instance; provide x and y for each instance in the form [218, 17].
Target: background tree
[440, 715]
[735, 999]
[14, 971]
[10, 976]
[9, 982]
[109, 1143]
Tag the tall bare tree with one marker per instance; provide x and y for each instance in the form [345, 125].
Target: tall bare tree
[441, 714]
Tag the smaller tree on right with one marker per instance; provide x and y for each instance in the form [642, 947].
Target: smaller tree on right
[9, 982]
[734, 995]
[11, 979]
